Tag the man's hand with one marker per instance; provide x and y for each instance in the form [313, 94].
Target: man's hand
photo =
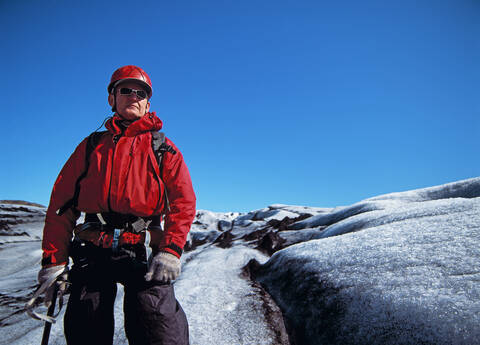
[164, 267]
[56, 277]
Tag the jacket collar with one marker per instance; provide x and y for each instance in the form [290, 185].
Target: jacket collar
[149, 122]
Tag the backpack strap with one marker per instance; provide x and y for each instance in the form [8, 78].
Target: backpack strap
[92, 143]
[160, 147]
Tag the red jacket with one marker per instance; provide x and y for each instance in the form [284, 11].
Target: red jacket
[123, 177]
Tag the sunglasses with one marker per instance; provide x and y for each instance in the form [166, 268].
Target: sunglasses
[141, 94]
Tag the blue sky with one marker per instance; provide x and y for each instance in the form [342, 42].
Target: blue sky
[319, 103]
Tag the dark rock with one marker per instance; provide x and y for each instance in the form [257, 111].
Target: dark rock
[249, 271]
[285, 222]
[224, 240]
[266, 239]
[4, 225]
[270, 243]
[256, 235]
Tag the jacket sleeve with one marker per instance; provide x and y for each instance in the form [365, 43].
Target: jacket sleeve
[57, 231]
[182, 201]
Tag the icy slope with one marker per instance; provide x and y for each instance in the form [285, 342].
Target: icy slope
[20, 252]
[211, 290]
[405, 270]
[222, 306]
[400, 268]
[20, 222]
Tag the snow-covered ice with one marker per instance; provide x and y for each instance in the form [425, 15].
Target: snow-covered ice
[404, 273]
[400, 268]
[222, 307]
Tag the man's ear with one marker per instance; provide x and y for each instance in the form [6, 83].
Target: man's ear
[111, 100]
[147, 108]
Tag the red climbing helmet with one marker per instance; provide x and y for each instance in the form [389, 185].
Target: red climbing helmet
[130, 72]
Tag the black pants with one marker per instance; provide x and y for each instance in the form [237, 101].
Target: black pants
[152, 313]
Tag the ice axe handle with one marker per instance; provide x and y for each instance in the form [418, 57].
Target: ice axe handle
[50, 311]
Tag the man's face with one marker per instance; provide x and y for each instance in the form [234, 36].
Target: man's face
[130, 107]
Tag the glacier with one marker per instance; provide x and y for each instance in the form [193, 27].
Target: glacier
[399, 268]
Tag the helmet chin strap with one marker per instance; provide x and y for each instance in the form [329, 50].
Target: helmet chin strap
[114, 106]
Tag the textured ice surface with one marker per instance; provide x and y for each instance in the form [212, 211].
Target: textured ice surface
[404, 273]
[222, 307]
[401, 268]
[20, 223]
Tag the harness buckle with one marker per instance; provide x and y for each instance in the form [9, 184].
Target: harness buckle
[116, 237]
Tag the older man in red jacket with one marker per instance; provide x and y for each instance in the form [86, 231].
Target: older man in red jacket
[125, 180]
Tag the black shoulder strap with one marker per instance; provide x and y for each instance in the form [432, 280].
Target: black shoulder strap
[92, 143]
[159, 147]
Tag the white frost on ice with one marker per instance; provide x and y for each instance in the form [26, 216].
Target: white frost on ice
[400, 268]
[221, 307]
[403, 273]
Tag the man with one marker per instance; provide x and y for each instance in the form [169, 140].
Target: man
[118, 179]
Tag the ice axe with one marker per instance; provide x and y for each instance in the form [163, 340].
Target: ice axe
[50, 312]
[49, 318]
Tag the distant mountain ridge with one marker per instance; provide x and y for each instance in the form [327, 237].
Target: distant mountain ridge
[21, 202]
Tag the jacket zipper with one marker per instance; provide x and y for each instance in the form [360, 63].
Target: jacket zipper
[115, 138]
